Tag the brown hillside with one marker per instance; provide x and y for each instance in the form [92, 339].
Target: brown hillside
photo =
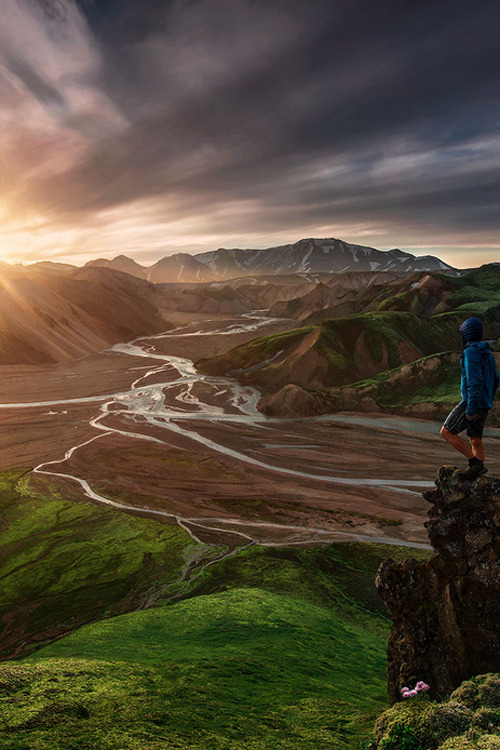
[342, 294]
[50, 318]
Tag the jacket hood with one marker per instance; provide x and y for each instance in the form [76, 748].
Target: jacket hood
[482, 346]
[471, 330]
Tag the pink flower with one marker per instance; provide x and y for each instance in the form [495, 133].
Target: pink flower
[422, 686]
[411, 693]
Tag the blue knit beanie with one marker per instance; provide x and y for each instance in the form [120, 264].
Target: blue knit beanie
[471, 330]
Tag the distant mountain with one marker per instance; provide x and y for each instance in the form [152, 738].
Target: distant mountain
[309, 256]
[316, 256]
[52, 266]
[179, 267]
[121, 263]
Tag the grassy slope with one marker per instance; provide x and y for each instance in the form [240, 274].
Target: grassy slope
[477, 293]
[346, 349]
[276, 648]
[383, 332]
[434, 379]
[65, 562]
[253, 352]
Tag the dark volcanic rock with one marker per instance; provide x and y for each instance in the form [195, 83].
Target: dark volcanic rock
[446, 611]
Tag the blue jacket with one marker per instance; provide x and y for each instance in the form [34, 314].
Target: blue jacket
[479, 376]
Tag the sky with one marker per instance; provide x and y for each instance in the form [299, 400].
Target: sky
[150, 127]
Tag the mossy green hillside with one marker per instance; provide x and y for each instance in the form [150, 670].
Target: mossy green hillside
[66, 704]
[434, 379]
[64, 562]
[469, 720]
[477, 293]
[335, 353]
[429, 386]
[276, 648]
[381, 336]
[253, 352]
[473, 293]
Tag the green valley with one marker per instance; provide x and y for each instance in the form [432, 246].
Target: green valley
[268, 648]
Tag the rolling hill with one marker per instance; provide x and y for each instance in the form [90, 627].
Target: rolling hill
[338, 362]
[334, 353]
[269, 647]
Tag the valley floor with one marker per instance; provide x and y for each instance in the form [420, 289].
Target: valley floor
[191, 545]
[138, 426]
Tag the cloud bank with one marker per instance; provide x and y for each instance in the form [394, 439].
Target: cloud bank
[153, 127]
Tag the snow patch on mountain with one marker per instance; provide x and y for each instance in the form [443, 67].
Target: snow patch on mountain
[310, 255]
[304, 266]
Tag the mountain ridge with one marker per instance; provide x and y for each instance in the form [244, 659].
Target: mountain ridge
[310, 255]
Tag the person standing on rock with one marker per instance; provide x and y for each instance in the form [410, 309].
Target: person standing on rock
[479, 383]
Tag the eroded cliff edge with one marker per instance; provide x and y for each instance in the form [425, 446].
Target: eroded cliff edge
[446, 611]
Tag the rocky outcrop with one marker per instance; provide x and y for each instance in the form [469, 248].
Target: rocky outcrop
[446, 611]
[291, 401]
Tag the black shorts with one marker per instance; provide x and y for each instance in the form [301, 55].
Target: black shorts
[456, 421]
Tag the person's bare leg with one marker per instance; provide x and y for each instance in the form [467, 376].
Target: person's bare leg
[477, 448]
[461, 445]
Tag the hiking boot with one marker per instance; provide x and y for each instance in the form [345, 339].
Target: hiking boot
[473, 470]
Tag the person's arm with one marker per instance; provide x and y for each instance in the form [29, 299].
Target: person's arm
[474, 373]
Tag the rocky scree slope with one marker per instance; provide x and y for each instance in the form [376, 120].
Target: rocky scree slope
[446, 611]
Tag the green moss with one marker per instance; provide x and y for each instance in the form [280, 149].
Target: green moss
[469, 719]
[253, 352]
[65, 704]
[434, 379]
[486, 719]
[275, 648]
[483, 690]
[66, 561]
[417, 724]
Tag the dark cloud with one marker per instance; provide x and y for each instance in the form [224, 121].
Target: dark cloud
[335, 111]
[41, 90]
